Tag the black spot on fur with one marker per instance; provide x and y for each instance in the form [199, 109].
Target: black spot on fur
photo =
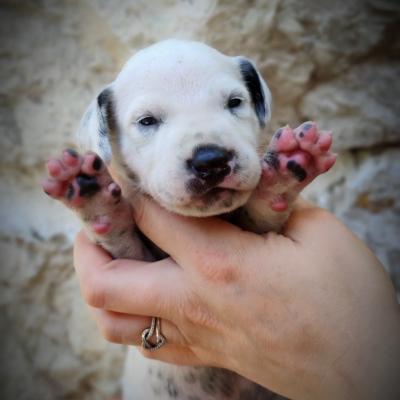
[217, 381]
[253, 84]
[111, 121]
[130, 174]
[298, 172]
[160, 374]
[301, 134]
[272, 159]
[190, 377]
[172, 389]
[108, 131]
[156, 390]
[195, 186]
[105, 106]
[256, 392]
[88, 185]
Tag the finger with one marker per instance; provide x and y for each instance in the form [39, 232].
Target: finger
[173, 354]
[127, 286]
[173, 233]
[308, 223]
[127, 329]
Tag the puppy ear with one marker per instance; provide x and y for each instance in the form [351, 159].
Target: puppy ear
[259, 92]
[97, 125]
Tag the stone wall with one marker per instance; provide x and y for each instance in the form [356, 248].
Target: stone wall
[337, 62]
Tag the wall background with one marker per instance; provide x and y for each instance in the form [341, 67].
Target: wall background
[337, 62]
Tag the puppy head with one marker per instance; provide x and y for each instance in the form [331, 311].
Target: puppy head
[187, 122]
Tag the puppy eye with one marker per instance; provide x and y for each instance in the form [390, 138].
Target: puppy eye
[148, 121]
[234, 102]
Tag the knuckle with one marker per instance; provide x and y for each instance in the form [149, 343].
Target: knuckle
[197, 314]
[110, 332]
[217, 266]
[94, 291]
[151, 355]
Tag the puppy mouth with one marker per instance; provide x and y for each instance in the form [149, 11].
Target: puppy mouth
[219, 197]
[208, 193]
[199, 188]
[218, 193]
[202, 198]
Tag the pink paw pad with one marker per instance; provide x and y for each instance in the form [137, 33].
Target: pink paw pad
[102, 225]
[279, 203]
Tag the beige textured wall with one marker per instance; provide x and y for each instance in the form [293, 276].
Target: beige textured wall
[337, 62]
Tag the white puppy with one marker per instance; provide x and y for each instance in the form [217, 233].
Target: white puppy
[172, 99]
[184, 124]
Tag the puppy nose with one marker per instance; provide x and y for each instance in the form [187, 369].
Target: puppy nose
[210, 162]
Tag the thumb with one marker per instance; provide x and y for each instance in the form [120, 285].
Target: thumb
[183, 238]
[308, 222]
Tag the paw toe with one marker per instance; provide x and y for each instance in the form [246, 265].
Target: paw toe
[52, 187]
[324, 141]
[71, 158]
[92, 164]
[307, 132]
[284, 140]
[65, 167]
[325, 162]
[55, 168]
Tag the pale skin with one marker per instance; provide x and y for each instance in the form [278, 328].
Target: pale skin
[309, 313]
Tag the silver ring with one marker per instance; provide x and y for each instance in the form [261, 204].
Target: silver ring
[155, 328]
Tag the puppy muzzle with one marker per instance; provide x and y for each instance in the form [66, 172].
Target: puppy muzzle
[210, 165]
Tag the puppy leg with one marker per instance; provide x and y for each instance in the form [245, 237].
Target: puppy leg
[293, 159]
[84, 185]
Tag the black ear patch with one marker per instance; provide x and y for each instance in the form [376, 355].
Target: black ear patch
[107, 122]
[253, 84]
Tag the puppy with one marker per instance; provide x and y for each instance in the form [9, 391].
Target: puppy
[185, 125]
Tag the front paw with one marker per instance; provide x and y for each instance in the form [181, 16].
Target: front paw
[293, 159]
[83, 183]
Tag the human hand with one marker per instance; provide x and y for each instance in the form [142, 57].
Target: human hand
[310, 314]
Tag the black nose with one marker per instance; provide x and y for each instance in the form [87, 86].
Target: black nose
[210, 162]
